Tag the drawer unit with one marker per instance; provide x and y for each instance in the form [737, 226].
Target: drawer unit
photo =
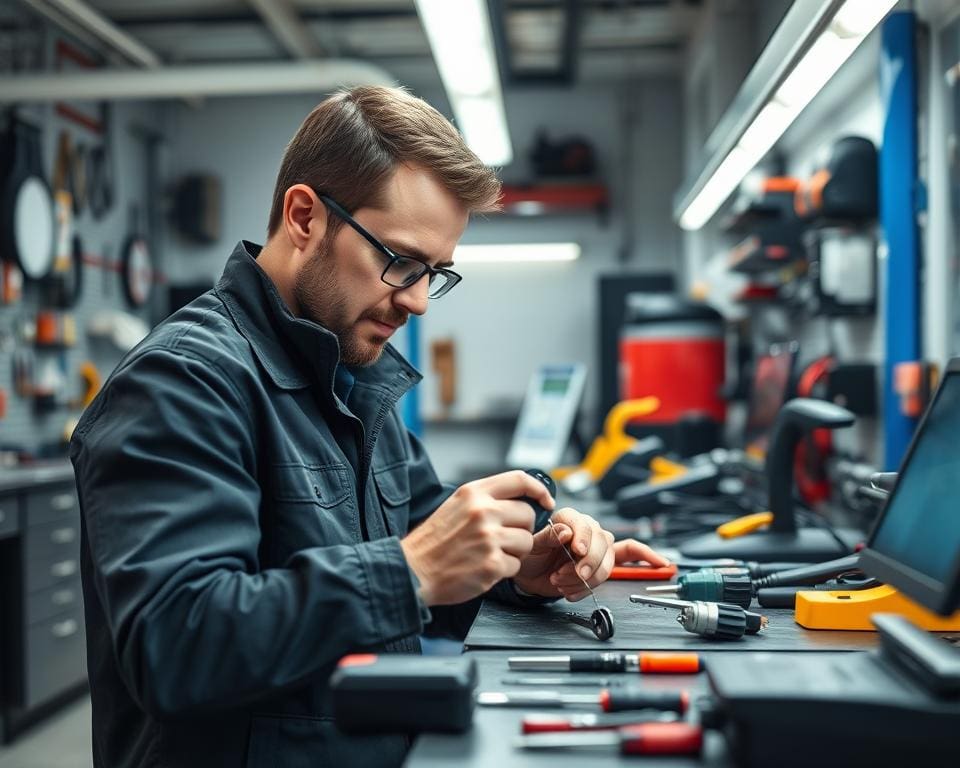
[51, 553]
[54, 503]
[62, 597]
[56, 658]
[9, 515]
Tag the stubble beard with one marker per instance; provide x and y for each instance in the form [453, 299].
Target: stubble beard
[321, 299]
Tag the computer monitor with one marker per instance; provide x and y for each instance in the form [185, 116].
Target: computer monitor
[547, 416]
[915, 544]
[768, 393]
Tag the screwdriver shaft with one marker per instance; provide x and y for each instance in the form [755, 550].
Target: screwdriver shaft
[566, 550]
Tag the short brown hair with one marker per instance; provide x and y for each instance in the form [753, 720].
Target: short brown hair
[350, 144]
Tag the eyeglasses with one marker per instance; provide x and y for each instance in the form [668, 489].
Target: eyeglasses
[401, 271]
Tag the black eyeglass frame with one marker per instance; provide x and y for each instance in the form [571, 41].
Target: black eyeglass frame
[393, 258]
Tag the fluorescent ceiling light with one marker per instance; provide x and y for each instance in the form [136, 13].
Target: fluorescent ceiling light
[462, 45]
[852, 23]
[516, 253]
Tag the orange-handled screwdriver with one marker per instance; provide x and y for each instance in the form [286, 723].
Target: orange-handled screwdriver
[645, 663]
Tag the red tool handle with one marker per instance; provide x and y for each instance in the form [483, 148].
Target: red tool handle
[661, 739]
[626, 699]
[642, 573]
[669, 663]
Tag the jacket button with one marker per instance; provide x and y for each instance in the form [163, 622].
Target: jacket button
[316, 490]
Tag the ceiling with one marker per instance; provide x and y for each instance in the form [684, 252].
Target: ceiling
[539, 41]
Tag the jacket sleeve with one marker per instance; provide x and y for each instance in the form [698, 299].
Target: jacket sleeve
[428, 493]
[166, 470]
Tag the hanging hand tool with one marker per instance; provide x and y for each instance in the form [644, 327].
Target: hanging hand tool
[619, 700]
[711, 587]
[639, 739]
[721, 621]
[601, 620]
[645, 663]
[544, 723]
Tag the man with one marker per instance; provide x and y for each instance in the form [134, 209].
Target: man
[253, 508]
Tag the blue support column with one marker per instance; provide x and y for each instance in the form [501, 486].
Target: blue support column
[411, 401]
[898, 215]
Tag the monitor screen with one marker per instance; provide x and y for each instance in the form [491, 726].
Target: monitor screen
[768, 392]
[915, 545]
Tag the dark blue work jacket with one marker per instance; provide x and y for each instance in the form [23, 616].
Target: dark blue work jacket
[240, 535]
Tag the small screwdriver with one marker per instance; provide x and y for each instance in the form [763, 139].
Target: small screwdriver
[619, 700]
[638, 739]
[645, 663]
[711, 587]
[541, 722]
[722, 621]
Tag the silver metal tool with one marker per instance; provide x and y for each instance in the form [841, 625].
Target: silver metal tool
[722, 621]
[600, 622]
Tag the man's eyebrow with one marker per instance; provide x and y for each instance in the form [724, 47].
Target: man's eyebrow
[414, 253]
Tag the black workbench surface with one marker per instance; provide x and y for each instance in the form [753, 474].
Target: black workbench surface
[641, 627]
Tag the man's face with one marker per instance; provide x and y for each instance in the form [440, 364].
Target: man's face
[339, 285]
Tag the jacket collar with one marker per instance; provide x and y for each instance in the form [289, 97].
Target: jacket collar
[296, 353]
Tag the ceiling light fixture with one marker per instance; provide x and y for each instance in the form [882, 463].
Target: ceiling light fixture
[462, 44]
[516, 253]
[832, 44]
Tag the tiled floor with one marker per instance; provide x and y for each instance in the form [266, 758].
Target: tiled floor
[61, 741]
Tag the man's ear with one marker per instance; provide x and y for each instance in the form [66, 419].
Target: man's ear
[304, 216]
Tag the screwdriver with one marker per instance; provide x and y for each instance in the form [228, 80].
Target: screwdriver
[711, 587]
[555, 681]
[589, 721]
[638, 739]
[645, 663]
[721, 621]
[608, 700]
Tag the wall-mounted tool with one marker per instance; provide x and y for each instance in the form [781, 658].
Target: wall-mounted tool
[27, 220]
[619, 700]
[720, 621]
[785, 540]
[136, 267]
[638, 739]
[644, 663]
[711, 587]
[403, 693]
[600, 621]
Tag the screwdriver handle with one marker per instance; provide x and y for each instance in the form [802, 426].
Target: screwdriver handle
[645, 663]
[621, 700]
[714, 587]
[661, 739]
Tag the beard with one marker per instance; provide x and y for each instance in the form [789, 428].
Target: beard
[322, 299]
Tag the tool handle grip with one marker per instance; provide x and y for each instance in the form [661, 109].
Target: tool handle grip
[598, 662]
[628, 699]
[661, 739]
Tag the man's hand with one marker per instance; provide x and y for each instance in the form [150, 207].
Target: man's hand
[548, 572]
[477, 537]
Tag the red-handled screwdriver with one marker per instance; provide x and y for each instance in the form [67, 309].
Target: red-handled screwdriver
[590, 721]
[618, 700]
[645, 663]
[640, 739]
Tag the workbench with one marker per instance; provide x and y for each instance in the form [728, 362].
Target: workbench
[501, 631]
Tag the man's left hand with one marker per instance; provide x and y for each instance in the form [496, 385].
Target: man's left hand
[548, 572]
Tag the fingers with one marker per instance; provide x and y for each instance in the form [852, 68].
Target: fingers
[515, 541]
[515, 514]
[630, 550]
[516, 483]
[583, 527]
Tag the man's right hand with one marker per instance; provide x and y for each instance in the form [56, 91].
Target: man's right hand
[477, 537]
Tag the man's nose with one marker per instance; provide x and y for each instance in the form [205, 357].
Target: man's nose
[414, 297]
